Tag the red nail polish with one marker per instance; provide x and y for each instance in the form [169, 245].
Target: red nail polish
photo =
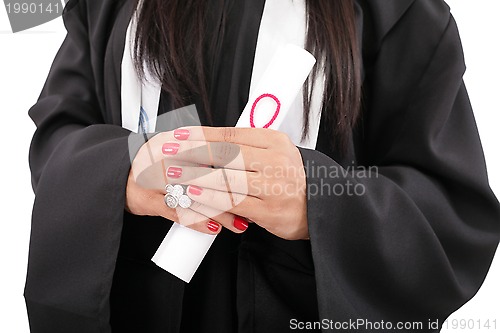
[195, 190]
[170, 148]
[213, 226]
[240, 223]
[174, 172]
[181, 134]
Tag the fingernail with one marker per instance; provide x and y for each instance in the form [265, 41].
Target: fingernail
[170, 148]
[213, 226]
[181, 134]
[195, 190]
[240, 223]
[174, 172]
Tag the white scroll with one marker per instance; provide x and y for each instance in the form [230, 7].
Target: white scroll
[274, 102]
[183, 249]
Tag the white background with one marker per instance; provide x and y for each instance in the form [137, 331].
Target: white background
[25, 59]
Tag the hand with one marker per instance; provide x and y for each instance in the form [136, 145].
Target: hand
[258, 175]
[146, 190]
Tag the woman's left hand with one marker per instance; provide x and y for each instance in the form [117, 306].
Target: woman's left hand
[254, 173]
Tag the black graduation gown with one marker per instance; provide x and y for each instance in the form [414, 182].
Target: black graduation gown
[415, 246]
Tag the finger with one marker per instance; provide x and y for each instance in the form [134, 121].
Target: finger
[253, 137]
[219, 154]
[235, 203]
[199, 217]
[221, 179]
[198, 222]
[149, 160]
[188, 218]
[159, 208]
[227, 220]
[155, 150]
[149, 152]
[207, 227]
[154, 177]
[227, 144]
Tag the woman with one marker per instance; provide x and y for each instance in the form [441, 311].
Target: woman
[411, 246]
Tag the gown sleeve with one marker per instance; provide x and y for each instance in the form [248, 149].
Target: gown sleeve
[407, 235]
[79, 168]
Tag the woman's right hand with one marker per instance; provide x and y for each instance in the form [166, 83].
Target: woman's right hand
[145, 192]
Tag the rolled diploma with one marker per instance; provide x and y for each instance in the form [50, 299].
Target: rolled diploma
[183, 249]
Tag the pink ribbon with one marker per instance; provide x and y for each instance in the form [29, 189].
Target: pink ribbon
[278, 107]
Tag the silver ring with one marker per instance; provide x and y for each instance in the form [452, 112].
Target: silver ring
[176, 196]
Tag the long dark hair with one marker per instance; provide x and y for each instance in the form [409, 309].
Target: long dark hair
[170, 40]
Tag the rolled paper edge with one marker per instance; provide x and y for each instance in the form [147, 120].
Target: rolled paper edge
[182, 251]
[301, 60]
